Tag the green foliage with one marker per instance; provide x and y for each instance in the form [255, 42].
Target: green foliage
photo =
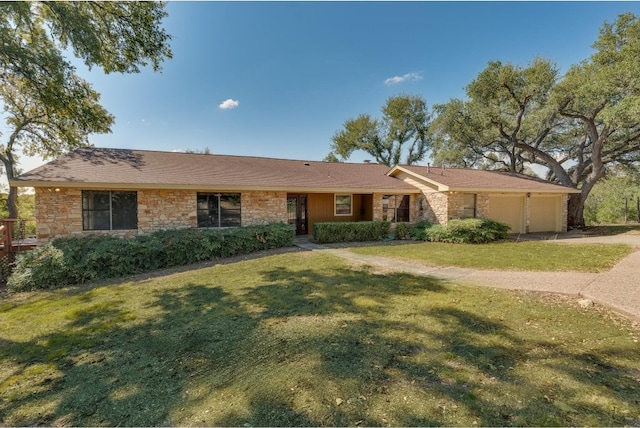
[26, 211]
[419, 230]
[505, 107]
[72, 260]
[606, 202]
[468, 231]
[403, 129]
[48, 108]
[326, 233]
[303, 339]
[576, 125]
[401, 231]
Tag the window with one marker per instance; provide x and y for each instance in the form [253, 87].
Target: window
[219, 210]
[343, 205]
[395, 208]
[469, 205]
[105, 210]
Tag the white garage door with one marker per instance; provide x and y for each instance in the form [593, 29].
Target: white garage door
[545, 214]
[509, 210]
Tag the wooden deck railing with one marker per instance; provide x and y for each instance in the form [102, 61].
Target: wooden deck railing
[12, 236]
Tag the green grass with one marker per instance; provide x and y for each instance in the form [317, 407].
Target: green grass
[530, 256]
[302, 339]
[615, 229]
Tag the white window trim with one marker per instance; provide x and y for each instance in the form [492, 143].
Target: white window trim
[335, 205]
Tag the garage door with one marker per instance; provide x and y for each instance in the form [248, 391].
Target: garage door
[544, 214]
[508, 210]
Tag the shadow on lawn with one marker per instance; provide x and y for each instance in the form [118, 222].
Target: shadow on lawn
[302, 348]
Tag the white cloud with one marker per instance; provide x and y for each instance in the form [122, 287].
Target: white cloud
[404, 78]
[229, 104]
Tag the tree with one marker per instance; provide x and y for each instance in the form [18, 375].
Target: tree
[506, 106]
[60, 125]
[617, 190]
[48, 108]
[602, 97]
[576, 126]
[403, 129]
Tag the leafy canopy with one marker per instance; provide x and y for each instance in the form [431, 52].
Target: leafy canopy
[47, 107]
[577, 125]
[403, 129]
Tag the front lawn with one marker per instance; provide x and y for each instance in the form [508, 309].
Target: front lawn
[531, 256]
[302, 339]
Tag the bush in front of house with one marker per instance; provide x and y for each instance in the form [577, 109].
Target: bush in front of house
[419, 230]
[468, 231]
[75, 260]
[402, 231]
[327, 233]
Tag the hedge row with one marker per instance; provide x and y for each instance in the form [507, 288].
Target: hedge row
[75, 260]
[465, 231]
[326, 233]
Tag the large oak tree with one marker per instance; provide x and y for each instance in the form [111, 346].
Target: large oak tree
[402, 131]
[576, 125]
[47, 107]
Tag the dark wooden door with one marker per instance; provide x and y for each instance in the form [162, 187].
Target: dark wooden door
[297, 213]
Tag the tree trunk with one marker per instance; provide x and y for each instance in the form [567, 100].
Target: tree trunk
[12, 199]
[575, 214]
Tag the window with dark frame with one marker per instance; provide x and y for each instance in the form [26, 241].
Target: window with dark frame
[219, 210]
[469, 205]
[109, 210]
[395, 208]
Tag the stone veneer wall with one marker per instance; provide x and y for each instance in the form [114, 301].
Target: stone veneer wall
[456, 205]
[437, 208]
[564, 202]
[414, 200]
[263, 207]
[160, 209]
[377, 207]
[59, 212]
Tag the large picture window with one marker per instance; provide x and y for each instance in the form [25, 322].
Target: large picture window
[469, 205]
[219, 210]
[343, 205]
[107, 210]
[395, 208]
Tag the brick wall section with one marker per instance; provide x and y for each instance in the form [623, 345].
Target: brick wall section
[436, 209]
[59, 213]
[263, 207]
[482, 205]
[166, 209]
[565, 212]
[377, 207]
[414, 207]
[456, 205]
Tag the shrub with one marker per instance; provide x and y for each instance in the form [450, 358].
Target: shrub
[401, 231]
[325, 233]
[468, 231]
[419, 230]
[73, 260]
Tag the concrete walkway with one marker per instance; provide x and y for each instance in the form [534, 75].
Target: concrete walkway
[619, 288]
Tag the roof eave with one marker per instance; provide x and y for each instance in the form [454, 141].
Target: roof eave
[213, 187]
[560, 190]
[441, 187]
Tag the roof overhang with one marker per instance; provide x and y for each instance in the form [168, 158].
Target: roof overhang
[558, 189]
[210, 187]
[439, 186]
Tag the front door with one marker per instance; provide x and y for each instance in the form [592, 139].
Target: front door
[297, 213]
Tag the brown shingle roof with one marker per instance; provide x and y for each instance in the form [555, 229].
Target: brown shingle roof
[461, 179]
[123, 168]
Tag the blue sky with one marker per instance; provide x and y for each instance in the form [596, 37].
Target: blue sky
[293, 72]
